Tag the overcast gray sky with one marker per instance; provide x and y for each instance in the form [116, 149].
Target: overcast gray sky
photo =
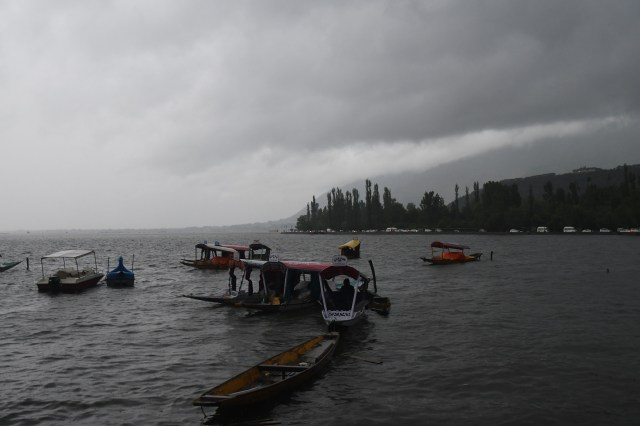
[158, 113]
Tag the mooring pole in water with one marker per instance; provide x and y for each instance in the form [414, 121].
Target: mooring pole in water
[27, 263]
[491, 258]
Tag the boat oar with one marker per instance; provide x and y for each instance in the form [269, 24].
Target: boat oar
[373, 275]
[359, 358]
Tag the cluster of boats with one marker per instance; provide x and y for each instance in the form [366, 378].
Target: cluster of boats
[73, 274]
[340, 291]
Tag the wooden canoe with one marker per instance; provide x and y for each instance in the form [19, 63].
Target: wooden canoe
[273, 377]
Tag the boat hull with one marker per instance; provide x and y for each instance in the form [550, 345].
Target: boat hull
[69, 285]
[283, 307]
[218, 264]
[445, 261]
[277, 375]
[8, 265]
[339, 319]
[120, 276]
[227, 299]
[120, 282]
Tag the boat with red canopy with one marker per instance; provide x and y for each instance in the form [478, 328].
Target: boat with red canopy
[345, 294]
[216, 255]
[446, 253]
[287, 286]
[341, 290]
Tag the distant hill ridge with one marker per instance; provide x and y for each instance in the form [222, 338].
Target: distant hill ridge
[582, 177]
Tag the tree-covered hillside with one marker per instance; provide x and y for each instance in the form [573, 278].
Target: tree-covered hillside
[585, 199]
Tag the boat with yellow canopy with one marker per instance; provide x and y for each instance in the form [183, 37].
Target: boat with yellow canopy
[350, 249]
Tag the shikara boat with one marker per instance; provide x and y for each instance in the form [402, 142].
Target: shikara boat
[5, 266]
[345, 295]
[245, 292]
[259, 251]
[70, 278]
[120, 276]
[275, 376]
[216, 256]
[287, 286]
[350, 249]
[447, 253]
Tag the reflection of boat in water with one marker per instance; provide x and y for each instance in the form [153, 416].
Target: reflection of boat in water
[120, 276]
[274, 376]
[215, 256]
[70, 279]
[446, 253]
[350, 249]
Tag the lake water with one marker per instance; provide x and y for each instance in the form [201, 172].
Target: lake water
[548, 332]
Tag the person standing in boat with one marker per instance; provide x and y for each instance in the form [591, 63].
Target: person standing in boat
[232, 278]
[247, 275]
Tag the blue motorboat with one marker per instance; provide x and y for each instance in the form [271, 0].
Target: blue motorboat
[120, 276]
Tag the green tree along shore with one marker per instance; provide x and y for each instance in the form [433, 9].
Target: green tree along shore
[495, 207]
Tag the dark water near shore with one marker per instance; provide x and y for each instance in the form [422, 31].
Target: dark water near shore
[542, 334]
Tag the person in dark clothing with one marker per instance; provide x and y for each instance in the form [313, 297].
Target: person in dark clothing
[232, 278]
[247, 275]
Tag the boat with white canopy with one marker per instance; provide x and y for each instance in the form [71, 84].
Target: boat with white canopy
[72, 277]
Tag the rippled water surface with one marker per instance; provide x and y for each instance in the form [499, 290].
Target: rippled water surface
[548, 332]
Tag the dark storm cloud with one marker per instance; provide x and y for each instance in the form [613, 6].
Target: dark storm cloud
[300, 93]
[329, 74]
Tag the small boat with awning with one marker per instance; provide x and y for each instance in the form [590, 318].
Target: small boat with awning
[447, 253]
[344, 294]
[259, 251]
[350, 249]
[216, 255]
[273, 377]
[286, 286]
[72, 277]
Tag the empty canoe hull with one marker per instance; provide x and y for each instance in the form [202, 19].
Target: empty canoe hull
[273, 377]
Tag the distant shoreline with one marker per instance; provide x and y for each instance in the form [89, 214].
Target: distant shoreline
[458, 232]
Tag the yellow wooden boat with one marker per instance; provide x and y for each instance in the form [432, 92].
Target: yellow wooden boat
[273, 377]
